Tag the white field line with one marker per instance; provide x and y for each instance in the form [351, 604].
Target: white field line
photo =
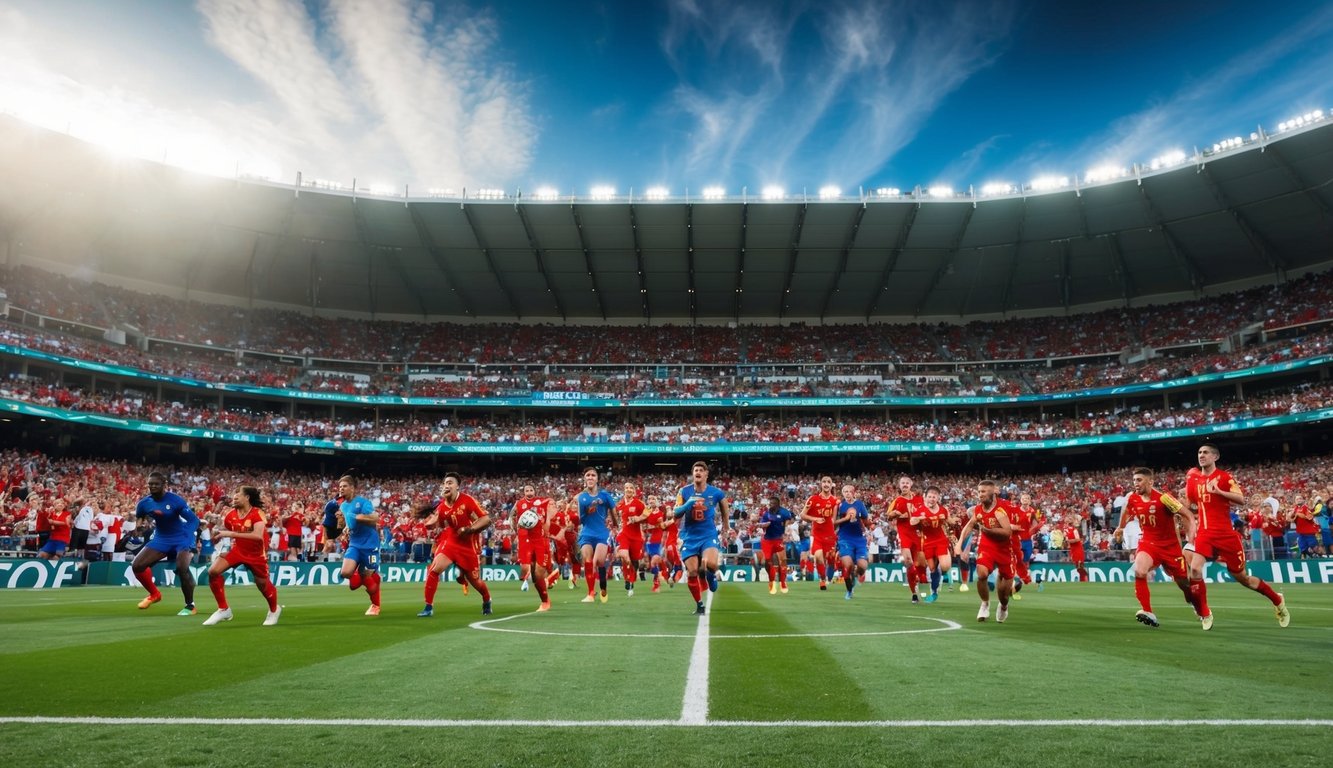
[694, 704]
[305, 722]
[489, 625]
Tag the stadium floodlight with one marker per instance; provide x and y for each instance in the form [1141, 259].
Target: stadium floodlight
[714, 193]
[441, 192]
[997, 188]
[773, 192]
[940, 190]
[1105, 173]
[1226, 144]
[546, 193]
[829, 192]
[384, 190]
[1046, 183]
[657, 193]
[1172, 158]
[888, 192]
[602, 192]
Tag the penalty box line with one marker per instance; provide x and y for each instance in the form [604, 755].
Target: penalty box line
[681, 723]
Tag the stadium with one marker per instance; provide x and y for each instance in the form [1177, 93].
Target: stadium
[1057, 337]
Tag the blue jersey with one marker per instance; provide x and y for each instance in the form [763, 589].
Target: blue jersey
[854, 529]
[775, 523]
[331, 510]
[593, 512]
[173, 519]
[700, 520]
[363, 535]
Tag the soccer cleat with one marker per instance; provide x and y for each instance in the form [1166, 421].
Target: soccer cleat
[962, 587]
[486, 608]
[783, 589]
[571, 584]
[711, 578]
[984, 613]
[629, 591]
[544, 607]
[272, 617]
[1207, 622]
[657, 588]
[932, 597]
[1002, 614]
[671, 583]
[699, 609]
[465, 589]
[219, 616]
[523, 587]
[1041, 586]
[823, 585]
[1147, 617]
[847, 596]
[1280, 610]
[147, 601]
[588, 599]
[188, 610]
[1017, 596]
[916, 599]
[373, 610]
[427, 612]
[602, 595]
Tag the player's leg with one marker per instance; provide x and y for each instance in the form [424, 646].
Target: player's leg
[1144, 565]
[599, 556]
[438, 565]
[781, 557]
[1234, 559]
[216, 571]
[692, 579]
[983, 588]
[184, 557]
[142, 567]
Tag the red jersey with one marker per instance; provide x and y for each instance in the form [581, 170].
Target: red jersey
[292, 525]
[1156, 516]
[1021, 521]
[238, 523]
[1072, 539]
[1304, 526]
[990, 519]
[627, 509]
[1274, 525]
[456, 516]
[541, 529]
[823, 509]
[671, 533]
[1029, 517]
[1214, 511]
[934, 523]
[654, 525]
[903, 507]
[60, 527]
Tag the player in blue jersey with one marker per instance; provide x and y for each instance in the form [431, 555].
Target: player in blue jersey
[597, 514]
[697, 506]
[772, 555]
[361, 561]
[853, 522]
[174, 528]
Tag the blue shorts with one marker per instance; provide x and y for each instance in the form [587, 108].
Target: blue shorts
[1027, 550]
[1307, 541]
[653, 549]
[170, 547]
[592, 540]
[696, 547]
[803, 546]
[365, 557]
[53, 547]
[1327, 535]
[856, 549]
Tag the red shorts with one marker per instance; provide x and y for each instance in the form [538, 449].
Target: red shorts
[935, 547]
[995, 559]
[1169, 556]
[771, 548]
[632, 545]
[536, 553]
[1021, 569]
[1076, 554]
[1222, 546]
[826, 544]
[462, 555]
[258, 565]
[561, 549]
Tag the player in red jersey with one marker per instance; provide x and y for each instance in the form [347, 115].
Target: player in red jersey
[900, 510]
[991, 518]
[652, 524]
[245, 525]
[534, 544]
[460, 518]
[819, 511]
[1074, 541]
[1026, 522]
[61, 526]
[561, 529]
[1210, 492]
[629, 542]
[932, 519]
[1159, 544]
[671, 550]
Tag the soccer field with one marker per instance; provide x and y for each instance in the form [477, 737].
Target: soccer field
[806, 678]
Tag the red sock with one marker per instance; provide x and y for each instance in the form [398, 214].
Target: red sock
[354, 581]
[1200, 596]
[1268, 592]
[921, 576]
[631, 574]
[694, 588]
[270, 594]
[540, 584]
[552, 579]
[145, 578]
[482, 589]
[770, 569]
[782, 576]
[911, 579]
[373, 587]
[1082, 573]
[1141, 592]
[432, 585]
[589, 575]
[219, 591]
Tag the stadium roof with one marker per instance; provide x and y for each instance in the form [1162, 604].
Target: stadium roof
[1253, 214]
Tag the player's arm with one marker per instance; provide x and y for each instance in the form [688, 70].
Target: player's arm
[480, 522]
[1002, 529]
[724, 507]
[963, 534]
[805, 512]
[682, 504]
[1235, 494]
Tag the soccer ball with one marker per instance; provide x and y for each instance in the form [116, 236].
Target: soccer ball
[528, 520]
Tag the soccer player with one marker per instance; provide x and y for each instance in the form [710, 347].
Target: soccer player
[853, 522]
[671, 550]
[1074, 540]
[629, 544]
[173, 537]
[597, 511]
[932, 518]
[697, 507]
[534, 544]
[1307, 530]
[1210, 492]
[900, 510]
[819, 511]
[772, 550]
[991, 518]
[1159, 543]
[361, 561]
[460, 518]
[333, 527]
[1027, 520]
[245, 525]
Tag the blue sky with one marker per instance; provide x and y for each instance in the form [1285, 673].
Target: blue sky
[683, 94]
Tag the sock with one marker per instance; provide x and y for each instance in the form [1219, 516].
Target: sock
[482, 589]
[270, 593]
[921, 575]
[601, 578]
[935, 580]
[1268, 592]
[540, 584]
[770, 570]
[911, 579]
[657, 577]
[782, 576]
[1141, 592]
[219, 591]
[1200, 596]
[354, 581]
[694, 588]
[589, 570]
[830, 569]
[1082, 573]
[373, 587]
[145, 578]
[432, 585]
[849, 579]
[631, 574]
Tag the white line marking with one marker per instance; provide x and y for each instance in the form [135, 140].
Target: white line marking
[694, 704]
[304, 722]
[488, 625]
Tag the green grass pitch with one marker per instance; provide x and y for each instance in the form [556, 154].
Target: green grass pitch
[1078, 681]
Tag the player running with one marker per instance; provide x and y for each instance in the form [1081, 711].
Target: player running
[772, 550]
[697, 507]
[629, 543]
[597, 512]
[460, 518]
[932, 518]
[361, 560]
[534, 544]
[819, 511]
[174, 526]
[900, 510]
[245, 524]
[853, 521]
[1159, 544]
[991, 518]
